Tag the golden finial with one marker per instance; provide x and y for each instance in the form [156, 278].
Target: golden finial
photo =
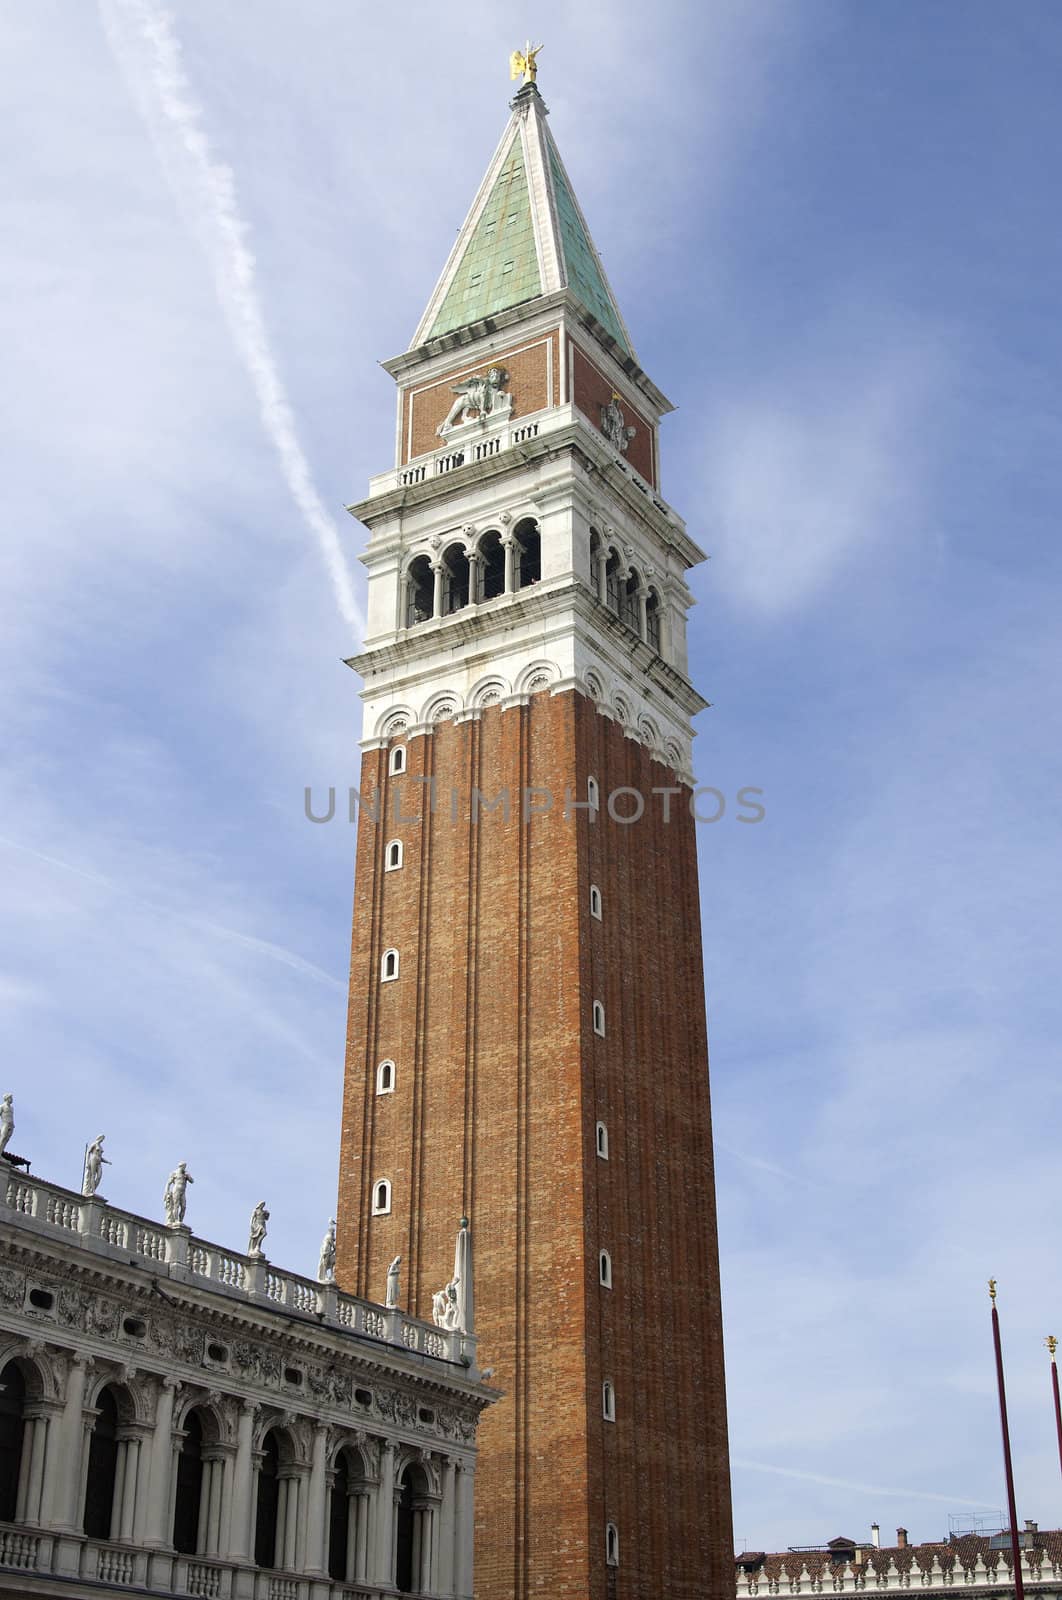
[1052, 1344]
[992, 1289]
[525, 61]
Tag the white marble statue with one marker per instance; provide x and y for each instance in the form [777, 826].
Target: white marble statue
[95, 1161]
[444, 1310]
[259, 1218]
[326, 1262]
[475, 398]
[391, 1300]
[7, 1121]
[173, 1198]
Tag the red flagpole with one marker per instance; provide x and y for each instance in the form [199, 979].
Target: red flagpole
[1052, 1344]
[1015, 1552]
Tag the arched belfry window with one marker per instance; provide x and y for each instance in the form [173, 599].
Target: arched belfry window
[629, 600]
[492, 565]
[455, 579]
[613, 582]
[420, 592]
[389, 966]
[652, 620]
[528, 552]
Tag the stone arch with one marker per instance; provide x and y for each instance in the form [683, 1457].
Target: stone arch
[456, 577]
[491, 552]
[622, 709]
[211, 1417]
[418, 591]
[673, 755]
[488, 692]
[36, 1371]
[594, 687]
[537, 675]
[441, 706]
[649, 733]
[394, 722]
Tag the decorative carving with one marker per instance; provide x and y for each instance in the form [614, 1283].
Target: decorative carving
[95, 1161]
[444, 1310]
[258, 1229]
[477, 398]
[173, 1198]
[326, 1262]
[7, 1121]
[614, 425]
[392, 1291]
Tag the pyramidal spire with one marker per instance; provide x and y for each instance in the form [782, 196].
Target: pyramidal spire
[524, 237]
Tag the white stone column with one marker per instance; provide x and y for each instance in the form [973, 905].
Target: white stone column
[159, 1527]
[31, 1471]
[129, 1491]
[509, 546]
[66, 1503]
[202, 1535]
[447, 1529]
[358, 1550]
[244, 1483]
[384, 1560]
[280, 1541]
[475, 577]
[427, 1549]
[437, 595]
[316, 1560]
[602, 580]
[643, 624]
[465, 1531]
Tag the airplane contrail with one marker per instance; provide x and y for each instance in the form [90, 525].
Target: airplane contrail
[144, 43]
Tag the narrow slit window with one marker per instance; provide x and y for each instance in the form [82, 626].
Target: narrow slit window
[599, 1018]
[389, 967]
[611, 1545]
[608, 1401]
[604, 1269]
[394, 856]
[385, 1078]
[602, 1141]
[593, 794]
[397, 762]
[595, 901]
[381, 1197]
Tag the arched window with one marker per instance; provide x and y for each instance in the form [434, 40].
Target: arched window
[455, 579]
[602, 1141]
[268, 1504]
[381, 1197]
[12, 1430]
[599, 1018]
[189, 1488]
[604, 1269]
[593, 794]
[608, 1401]
[102, 1467]
[385, 1077]
[413, 1541]
[596, 557]
[420, 592]
[629, 600]
[389, 966]
[613, 582]
[393, 858]
[652, 620]
[595, 901]
[348, 1521]
[492, 565]
[611, 1545]
[528, 553]
[397, 763]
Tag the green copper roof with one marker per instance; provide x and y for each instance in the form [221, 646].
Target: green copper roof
[499, 267]
[584, 273]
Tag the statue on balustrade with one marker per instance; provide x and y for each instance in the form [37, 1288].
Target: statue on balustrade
[259, 1218]
[326, 1264]
[95, 1161]
[7, 1121]
[173, 1199]
[391, 1300]
[444, 1308]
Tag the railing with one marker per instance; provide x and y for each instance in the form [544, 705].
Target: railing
[20, 1550]
[850, 1579]
[177, 1253]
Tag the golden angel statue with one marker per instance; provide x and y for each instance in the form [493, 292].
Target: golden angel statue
[525, 61]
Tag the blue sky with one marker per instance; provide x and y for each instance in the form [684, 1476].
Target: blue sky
[833, 232]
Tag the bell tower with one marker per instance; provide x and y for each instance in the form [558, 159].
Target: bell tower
[527, 1041]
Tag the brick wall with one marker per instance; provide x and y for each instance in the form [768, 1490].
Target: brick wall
[533, 383]
[500, 1082]
[591, 390]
